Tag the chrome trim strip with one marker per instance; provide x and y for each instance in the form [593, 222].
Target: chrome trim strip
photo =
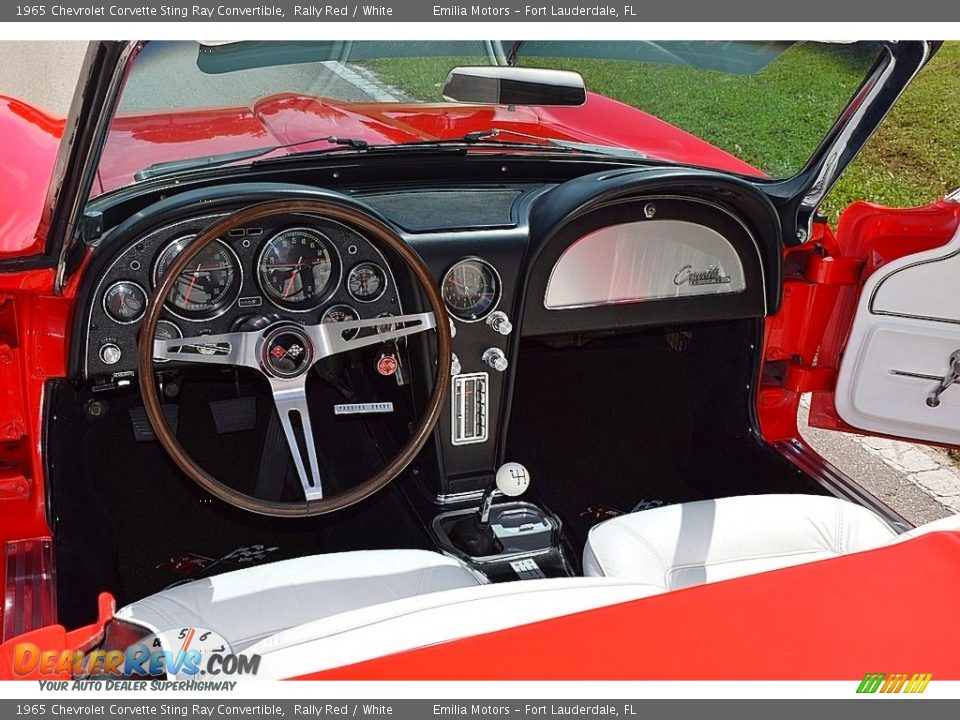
[916, 375]
[837, 482]
[908, 316]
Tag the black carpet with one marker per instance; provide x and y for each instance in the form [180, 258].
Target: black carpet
[133, 524]
[617, 422]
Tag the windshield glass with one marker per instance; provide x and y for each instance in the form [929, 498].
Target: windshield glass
[753, 108]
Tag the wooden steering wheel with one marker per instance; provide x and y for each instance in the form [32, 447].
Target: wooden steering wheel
[284, 352]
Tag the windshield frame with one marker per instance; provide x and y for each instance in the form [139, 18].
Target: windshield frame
[108, 65]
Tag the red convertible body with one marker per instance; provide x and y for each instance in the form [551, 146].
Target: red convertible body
[634, 315]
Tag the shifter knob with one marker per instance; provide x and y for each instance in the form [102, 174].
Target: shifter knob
[513, 479]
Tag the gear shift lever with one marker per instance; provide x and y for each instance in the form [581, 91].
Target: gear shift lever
[473, 534]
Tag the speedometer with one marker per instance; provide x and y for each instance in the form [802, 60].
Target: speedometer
[207, 286]
[295, 267]
[471, 289]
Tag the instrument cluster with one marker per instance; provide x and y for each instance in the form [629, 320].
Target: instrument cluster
[307, 269]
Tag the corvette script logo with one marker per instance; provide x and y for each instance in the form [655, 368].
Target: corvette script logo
[711, 276]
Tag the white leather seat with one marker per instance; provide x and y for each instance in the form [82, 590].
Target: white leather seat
[677, 546]
[248, 605]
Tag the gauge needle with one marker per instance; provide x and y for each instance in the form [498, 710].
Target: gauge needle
[293, 276]
[193, 281]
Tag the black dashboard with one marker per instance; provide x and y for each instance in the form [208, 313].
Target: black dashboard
[602, 252]
[306, 269]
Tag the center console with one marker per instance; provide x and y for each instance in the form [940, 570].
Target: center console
[512, 540]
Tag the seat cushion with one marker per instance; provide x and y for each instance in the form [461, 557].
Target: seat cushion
[247, 605]
[679, 546]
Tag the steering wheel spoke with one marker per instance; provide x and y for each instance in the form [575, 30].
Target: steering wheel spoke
[236, 348]
[330, 340]
[290, 398]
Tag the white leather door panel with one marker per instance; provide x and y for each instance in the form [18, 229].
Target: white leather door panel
[905, 330]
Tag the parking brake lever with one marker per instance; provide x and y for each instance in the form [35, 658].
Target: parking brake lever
[953, 374]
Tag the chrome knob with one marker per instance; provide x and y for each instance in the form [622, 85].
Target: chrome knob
[110, 354]
[453, 328]
[499, 322]
[455, 367]
[495, 358]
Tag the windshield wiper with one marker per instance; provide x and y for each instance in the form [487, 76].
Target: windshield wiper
[170, 167]
[477, 137]
[487, 138]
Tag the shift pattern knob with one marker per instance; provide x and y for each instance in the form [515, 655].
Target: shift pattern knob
[513, 479]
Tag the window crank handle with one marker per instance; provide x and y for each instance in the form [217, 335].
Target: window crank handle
[953, 374]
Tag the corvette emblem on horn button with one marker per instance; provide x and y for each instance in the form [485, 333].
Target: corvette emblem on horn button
[287, 352]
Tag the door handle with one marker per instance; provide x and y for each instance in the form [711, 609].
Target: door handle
[953, 374]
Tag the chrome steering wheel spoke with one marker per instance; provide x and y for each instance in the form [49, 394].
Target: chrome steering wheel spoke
[284, 353]
[290, 397]
[235, 348]
[329, 337]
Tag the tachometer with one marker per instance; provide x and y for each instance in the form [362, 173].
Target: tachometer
[471, 289]
[125, 302]
[295, 267]
[367, 282]
[208, 286]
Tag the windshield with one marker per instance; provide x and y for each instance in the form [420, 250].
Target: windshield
[752, 108]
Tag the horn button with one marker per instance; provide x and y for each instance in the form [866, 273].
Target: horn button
[286, 352]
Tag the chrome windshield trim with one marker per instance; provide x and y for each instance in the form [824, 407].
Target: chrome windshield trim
[91, 156]
[865, 109]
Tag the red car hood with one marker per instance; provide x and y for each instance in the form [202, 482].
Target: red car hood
[139, 141]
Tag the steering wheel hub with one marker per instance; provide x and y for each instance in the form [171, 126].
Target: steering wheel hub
[286, 351]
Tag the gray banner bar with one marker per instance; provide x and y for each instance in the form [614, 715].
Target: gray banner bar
[478, 709]
[497, 11]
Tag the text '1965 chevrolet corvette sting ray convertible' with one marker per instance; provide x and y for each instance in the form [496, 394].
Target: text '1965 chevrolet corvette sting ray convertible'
[468, 360]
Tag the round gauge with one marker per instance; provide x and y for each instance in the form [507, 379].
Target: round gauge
[294, 269]
[387, 326]
[367, 282]
[342, 313]
[125, 302]
[208, 286]
[471, 289]
[166, 330]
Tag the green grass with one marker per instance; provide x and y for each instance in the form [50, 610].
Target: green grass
[774, 119]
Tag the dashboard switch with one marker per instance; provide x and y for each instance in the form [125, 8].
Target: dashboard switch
[110, 354]
[495, 358]
[455, 367]
[499, 322]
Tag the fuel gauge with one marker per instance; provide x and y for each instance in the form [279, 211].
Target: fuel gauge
[125, 302]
